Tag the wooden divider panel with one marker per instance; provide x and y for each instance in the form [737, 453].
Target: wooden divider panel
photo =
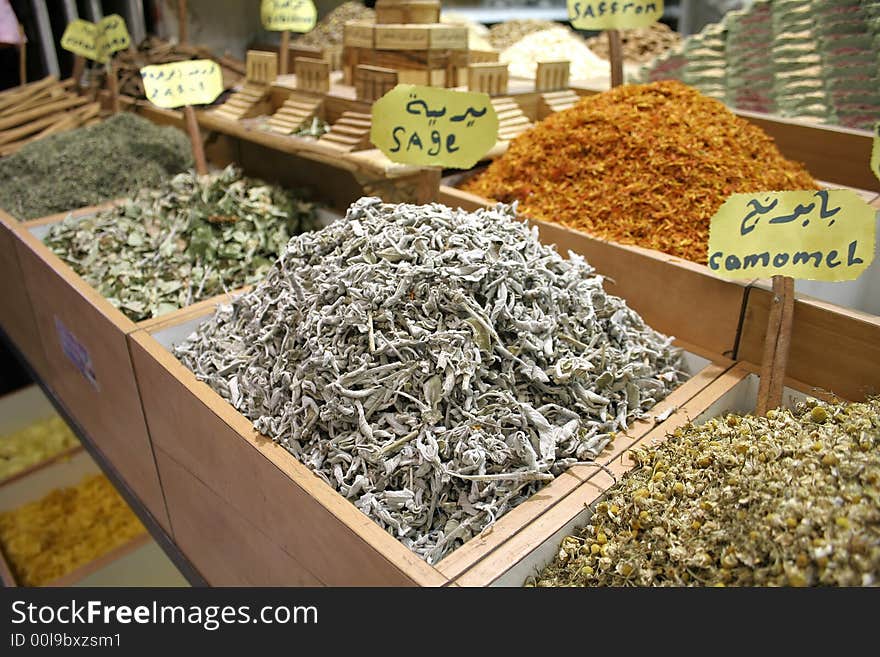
[489, 79]
[312, 74]
[552, 76]
[832, 348]
[373, 82]
[262, 67]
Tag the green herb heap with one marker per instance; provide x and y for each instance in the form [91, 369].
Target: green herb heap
[791, 499]
[90, 165]
[187, 240]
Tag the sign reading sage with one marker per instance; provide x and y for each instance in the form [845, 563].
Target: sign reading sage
[288, 15]
[427, 126]
[192, 82]
[603, 15]
[875, 151]
[825, 235]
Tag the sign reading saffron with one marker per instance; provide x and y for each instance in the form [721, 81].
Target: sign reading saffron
[427, 126]
[825, 235]
[288, 15]
[191, 82]
[620, 15]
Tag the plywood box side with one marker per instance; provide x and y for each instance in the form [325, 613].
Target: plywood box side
[204, 434]
[832, 348]
[224, 547]
[16, 309]
[98, 388]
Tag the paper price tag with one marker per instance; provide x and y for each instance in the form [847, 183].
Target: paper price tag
[96, 42]
[414, 124]
[288, 15]
[113, 34]
[80, 38]
[607, 15]
[193, 82]
[823, 235]
[875, 151]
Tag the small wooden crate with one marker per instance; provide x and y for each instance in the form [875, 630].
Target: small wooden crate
[218, 472]
[528, 552]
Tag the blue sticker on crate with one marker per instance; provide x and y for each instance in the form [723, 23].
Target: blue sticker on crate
[77, 353]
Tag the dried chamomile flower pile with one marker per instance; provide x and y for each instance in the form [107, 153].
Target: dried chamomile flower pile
[70, 527]
[90, 165]
[641, 164]
[33, 444]
[790, 499]
[434, 366]
[186, 240]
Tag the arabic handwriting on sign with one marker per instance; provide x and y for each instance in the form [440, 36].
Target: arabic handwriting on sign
[750, 221]
[757, 209]
[412, 106]
[470, 111]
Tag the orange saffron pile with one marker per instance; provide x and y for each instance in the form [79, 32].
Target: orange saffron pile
[641, 164]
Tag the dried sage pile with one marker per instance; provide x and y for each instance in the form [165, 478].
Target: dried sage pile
[90, 165]
[186, 240]
[434, 366]
[790, 499]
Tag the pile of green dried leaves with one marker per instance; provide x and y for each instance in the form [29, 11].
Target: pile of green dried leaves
[90, 165]
[186, 240]
[790, 499]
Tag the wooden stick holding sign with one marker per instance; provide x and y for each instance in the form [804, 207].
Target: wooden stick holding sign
[615, 56]
[825, 235]
[287, 16]
[22, 55]
[613, 17]
[182, 22]
[777, 341]
[184, 84]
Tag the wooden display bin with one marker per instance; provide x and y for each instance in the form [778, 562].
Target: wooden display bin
[83, 336]
[536, 545]
[220, 476]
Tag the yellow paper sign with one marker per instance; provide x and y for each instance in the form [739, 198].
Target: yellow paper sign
[875, 152]
[288, 15]
[193, 82]
[96, 42]
[823, 235]
[414, 124]
[621, 15]
[80, 38]
[112, 34]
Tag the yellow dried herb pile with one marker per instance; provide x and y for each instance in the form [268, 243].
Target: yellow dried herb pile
[641, 164]
[790, 499]
[49, 538]
[37, 442]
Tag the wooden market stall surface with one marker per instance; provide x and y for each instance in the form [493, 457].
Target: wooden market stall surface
[231, 507]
